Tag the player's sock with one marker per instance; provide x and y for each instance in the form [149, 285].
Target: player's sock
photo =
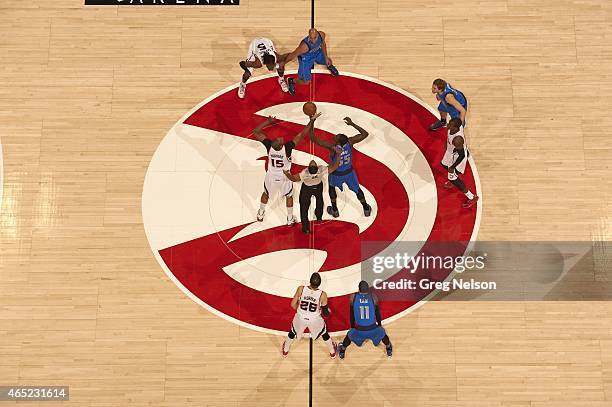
[287, 345]
[469, 195]
[283, 84]
[331, 345]
[242, 89]
[289, 212]
[261, 212]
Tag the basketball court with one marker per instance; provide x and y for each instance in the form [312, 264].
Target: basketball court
[133, 269]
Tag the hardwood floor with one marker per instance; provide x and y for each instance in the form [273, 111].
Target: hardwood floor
[86, 95]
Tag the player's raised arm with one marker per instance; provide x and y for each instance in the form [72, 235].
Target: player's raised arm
[362, 132]
[258, 131]
[296, 297]
[306, 129]
[318, 141]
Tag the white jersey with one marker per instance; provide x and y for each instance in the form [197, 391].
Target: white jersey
[309, 306]
[450, 156]
[449, 140]
[259, 47]
[278, 161]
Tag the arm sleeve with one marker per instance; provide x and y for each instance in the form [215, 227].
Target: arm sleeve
[289, 146]
[376, 309]
[351, 311]
[266, 142]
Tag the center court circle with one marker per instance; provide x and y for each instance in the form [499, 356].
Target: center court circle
[203, 184]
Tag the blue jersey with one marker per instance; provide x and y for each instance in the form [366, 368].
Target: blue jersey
[457, 94]
[346, 159]
[313, 48]
[364, 310]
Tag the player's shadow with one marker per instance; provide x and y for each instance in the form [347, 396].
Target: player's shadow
[221, 46]
[352, 380]
[268, 391]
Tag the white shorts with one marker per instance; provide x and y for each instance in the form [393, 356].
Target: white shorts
[316, 325]
[254, 54]
[448, 160]
[274, 184]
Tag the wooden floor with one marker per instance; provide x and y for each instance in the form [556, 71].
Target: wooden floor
[86, 95]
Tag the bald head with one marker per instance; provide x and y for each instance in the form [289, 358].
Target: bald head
[313, 34]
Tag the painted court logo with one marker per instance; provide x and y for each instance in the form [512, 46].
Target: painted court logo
[203, 185]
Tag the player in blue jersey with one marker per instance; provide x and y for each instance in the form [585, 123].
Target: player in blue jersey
[365, 322]
[345, 173]
[312, 50]
[452, 102]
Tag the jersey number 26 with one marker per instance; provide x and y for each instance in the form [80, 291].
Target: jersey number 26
[308, 306]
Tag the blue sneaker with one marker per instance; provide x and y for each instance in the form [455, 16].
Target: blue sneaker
[437, 125]
[291, 86]
[389, 350]
[332, 212]
[341, 351]
[333, 70]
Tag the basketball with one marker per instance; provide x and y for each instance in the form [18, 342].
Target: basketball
[309, 109]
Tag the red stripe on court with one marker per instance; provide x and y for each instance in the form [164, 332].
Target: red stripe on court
[198, 264]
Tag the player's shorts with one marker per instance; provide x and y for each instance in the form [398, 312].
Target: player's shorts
[454, 113]
[349, 179]
[315, 324]
[252, 55]
[448, 160]
[274, 184]
[307, 61]
[359, 337]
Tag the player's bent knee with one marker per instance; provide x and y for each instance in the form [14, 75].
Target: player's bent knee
[291, 335]
[325, 336]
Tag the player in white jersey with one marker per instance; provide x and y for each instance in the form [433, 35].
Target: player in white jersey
[455, 160]
[309, 302]
[279, 160]
[262, 52]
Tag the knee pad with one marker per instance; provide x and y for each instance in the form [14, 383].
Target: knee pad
[332, 193]
[325, 336]
[291, 335]
[360, 195]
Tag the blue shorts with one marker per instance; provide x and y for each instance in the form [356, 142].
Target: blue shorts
[349, 179]
[307, 61]
[359, 337]
[454, 113]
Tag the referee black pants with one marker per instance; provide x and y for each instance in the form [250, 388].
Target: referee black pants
[307, 192]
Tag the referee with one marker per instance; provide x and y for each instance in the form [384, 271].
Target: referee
[312, 178]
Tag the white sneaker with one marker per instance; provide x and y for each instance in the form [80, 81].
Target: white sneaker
[241, 90]
[291, 220]
[260, 215]
[283, 84]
